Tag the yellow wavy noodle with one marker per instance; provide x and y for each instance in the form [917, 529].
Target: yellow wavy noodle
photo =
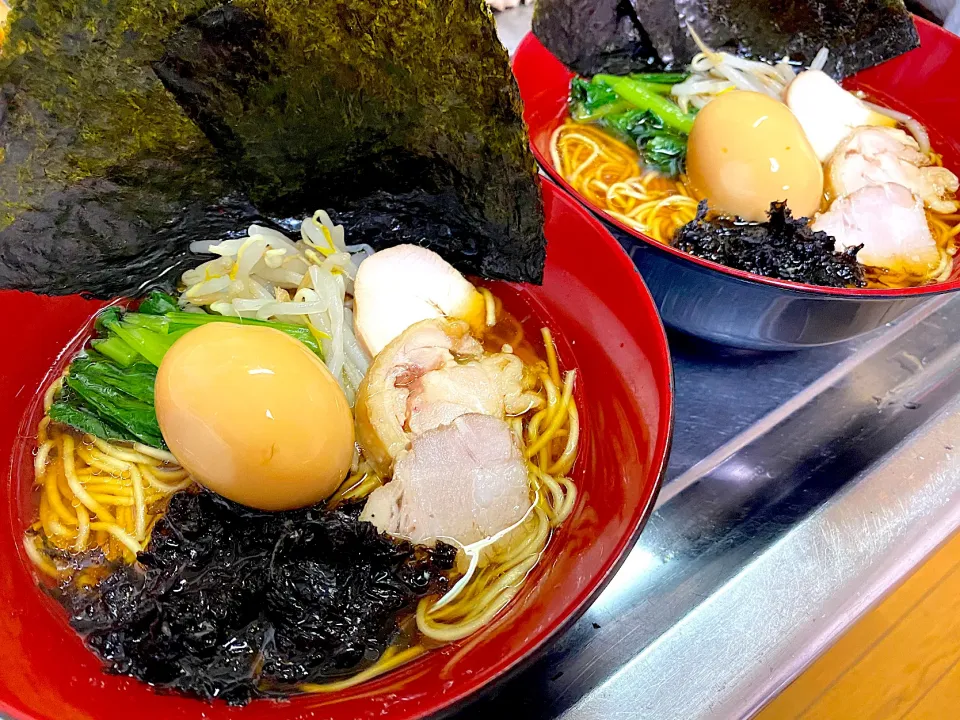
[95, 495]
[607, 172]
[945, 229]
[392, 657]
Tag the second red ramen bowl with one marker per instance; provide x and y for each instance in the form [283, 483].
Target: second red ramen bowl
[736, 308]
[606, 325]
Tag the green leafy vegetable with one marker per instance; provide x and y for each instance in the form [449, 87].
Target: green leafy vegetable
[151, 345]
[666, 153]
[109, 392]
[137, 380]
[641, 96]
[663, 149]
[658, 88]
[634, 109]
[180, 321]
[158, 303]
[84, 420]
[150, 336]
[153, 323]
[136, 417]
[590, 100]
[115, 349]
[663, 78]
[107, 315]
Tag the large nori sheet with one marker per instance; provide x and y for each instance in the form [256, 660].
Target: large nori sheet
[858, 33]
[596, 36]
[132, 127]
[619, 34]
[103, 178]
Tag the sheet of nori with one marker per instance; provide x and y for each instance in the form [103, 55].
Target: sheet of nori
[592, 36]
[103, 179]
[858, 33]
[372, 107]
[130, 128]
[659, 19]
[620, 34]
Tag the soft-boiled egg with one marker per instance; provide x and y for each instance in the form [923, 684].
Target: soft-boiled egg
[747, 150]
[255, 416]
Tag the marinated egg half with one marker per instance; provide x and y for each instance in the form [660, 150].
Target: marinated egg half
[255, 416]
[747, 150]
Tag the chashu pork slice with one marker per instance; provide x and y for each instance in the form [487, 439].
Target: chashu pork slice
[889, 222]
[878, 156]
[434, 372]
[465, 481]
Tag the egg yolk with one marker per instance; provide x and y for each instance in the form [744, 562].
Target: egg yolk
[747, 150]
[255, 416]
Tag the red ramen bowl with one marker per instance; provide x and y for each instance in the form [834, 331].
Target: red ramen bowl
[607, 327]
[737, 308]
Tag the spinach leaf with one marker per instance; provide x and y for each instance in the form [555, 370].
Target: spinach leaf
[158, 303]
[119, 409]
[84, 420]
[590, 100]
[661, 148]
[137, 380]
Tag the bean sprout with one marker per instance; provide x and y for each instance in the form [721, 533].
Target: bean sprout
[713, 73]
[269, 276]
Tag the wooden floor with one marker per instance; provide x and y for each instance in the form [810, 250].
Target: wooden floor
[901, 660]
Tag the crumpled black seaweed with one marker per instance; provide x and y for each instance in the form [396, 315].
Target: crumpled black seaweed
[782, 248]
[234, 603]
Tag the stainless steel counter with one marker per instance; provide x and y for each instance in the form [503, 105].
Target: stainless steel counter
[801, 489]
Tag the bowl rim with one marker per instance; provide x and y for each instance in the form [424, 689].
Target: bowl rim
[531, 44]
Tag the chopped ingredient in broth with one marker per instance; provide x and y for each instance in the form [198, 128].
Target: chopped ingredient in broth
[234, 603]
[782, 248]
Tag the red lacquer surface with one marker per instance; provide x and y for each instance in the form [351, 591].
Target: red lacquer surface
[592, 298]
[918, 82]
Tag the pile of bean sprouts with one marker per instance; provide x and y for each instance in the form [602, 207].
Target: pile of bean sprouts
[309, 282]
[713, 73]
